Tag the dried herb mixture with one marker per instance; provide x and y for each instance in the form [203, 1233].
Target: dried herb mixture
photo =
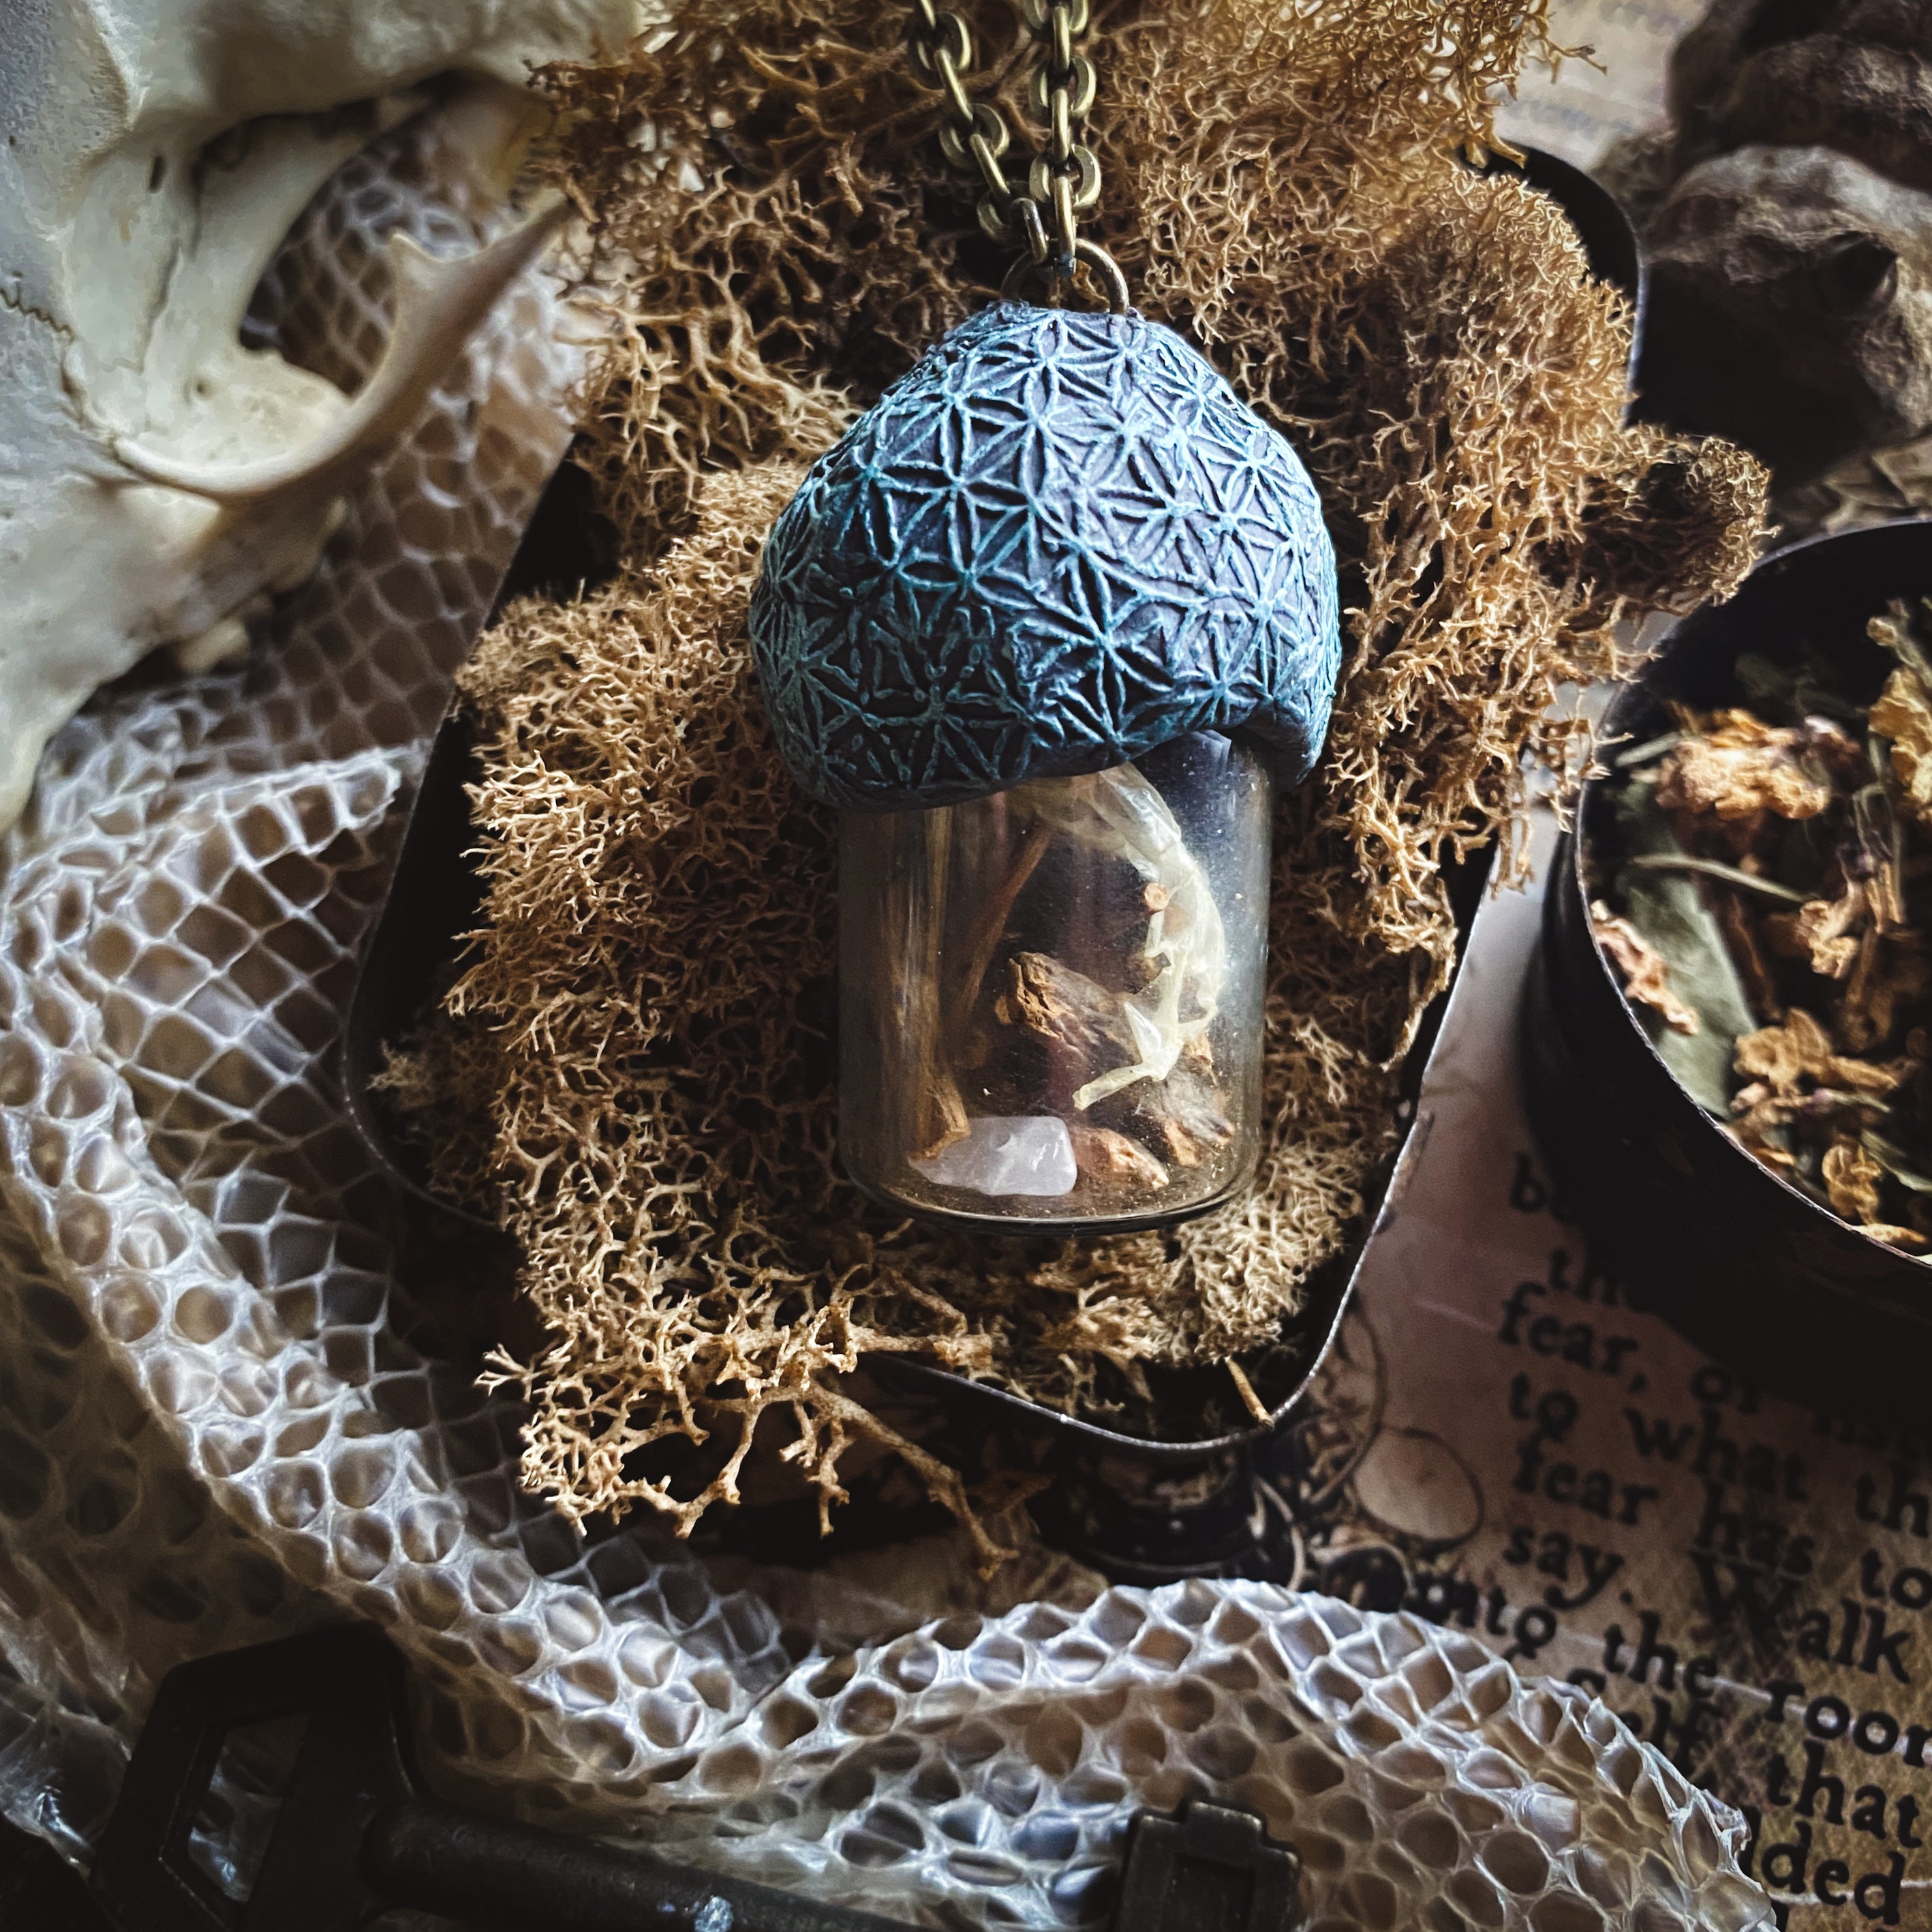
[1777, 886]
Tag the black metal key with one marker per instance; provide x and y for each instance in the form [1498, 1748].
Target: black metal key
[353, 1838]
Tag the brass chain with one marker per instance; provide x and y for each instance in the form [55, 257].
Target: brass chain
[1040, 215]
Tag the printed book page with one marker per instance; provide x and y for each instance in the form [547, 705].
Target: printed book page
[1748, 1582]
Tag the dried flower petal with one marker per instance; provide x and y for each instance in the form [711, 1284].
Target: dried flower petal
[1801, 1050]
[1646, 973]
[1896, 1236]
[1852, 1178]
[1821, 930]
[1743, 765]
[1903, 714]
[1761, 1111]
[1894, 630]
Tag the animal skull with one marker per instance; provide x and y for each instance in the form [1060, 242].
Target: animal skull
[156, 476]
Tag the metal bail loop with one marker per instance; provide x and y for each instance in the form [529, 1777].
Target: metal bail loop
[1105, 268]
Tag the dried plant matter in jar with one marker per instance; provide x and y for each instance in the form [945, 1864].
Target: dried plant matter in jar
[1052, 1010]
[1773, 893]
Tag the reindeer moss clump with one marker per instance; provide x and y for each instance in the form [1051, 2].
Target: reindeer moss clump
[637, 1052]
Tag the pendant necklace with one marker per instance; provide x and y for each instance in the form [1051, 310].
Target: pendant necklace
[1048, 624]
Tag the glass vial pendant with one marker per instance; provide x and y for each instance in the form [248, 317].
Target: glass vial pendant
[1059, 544]
[1050, 1002]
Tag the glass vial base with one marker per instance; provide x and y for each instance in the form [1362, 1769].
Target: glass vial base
[1050, 998]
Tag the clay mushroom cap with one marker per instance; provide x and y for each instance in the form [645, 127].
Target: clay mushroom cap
[1059, 541]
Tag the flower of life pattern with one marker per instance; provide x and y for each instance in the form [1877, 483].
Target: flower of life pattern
[1059, 541]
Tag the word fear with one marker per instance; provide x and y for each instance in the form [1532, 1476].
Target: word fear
[1577, 1343]
[1553, 1413]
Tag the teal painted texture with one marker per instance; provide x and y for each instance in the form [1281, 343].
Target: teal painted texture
[1060, 540]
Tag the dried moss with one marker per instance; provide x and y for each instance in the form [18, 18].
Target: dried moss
[643, 1023]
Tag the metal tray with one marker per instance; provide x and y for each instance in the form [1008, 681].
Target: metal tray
[436, 897]
[1140, 1506]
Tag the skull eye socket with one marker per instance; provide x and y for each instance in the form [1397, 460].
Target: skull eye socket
[1855, 275]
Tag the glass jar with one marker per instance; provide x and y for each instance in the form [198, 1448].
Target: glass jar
[1050, 998]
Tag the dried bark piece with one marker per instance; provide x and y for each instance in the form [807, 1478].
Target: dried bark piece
[1646, 973]
[1183, 1117]
[1741, 765]
[1076, 1016]
[939, 1119]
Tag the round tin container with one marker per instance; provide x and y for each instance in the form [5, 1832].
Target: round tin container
[1733, 1257]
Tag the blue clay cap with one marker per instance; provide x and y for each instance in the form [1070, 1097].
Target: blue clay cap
[1059, 540]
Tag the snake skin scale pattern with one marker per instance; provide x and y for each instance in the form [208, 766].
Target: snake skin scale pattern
[1059, 541]
[218, 1424]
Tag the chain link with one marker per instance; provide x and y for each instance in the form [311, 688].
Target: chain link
[1037, 213]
